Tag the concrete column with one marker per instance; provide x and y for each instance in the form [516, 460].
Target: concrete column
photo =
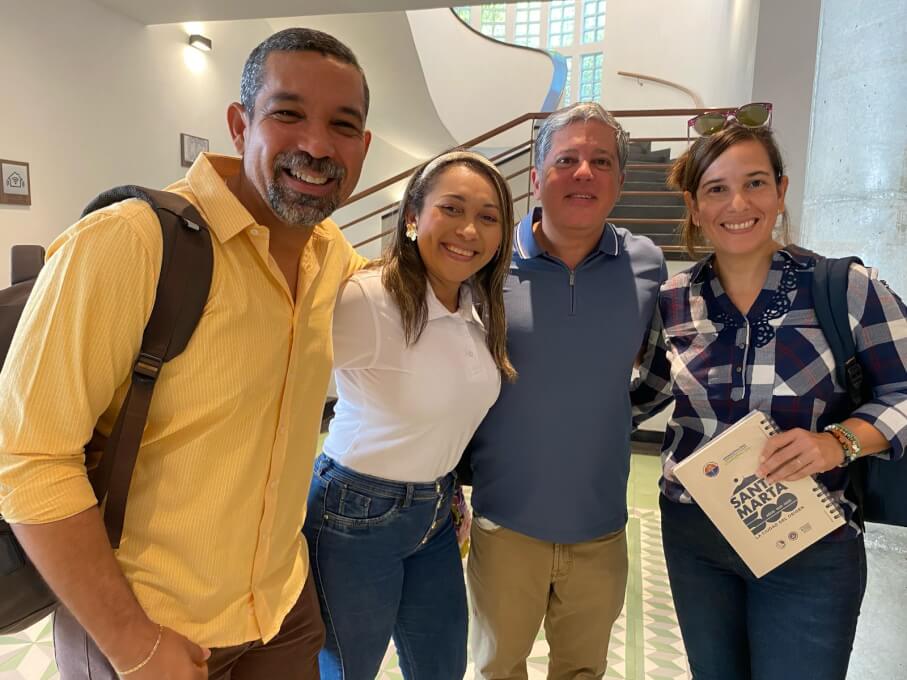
[856, 182]
[785, 68]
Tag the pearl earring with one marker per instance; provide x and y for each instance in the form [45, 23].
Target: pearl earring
[411, 232]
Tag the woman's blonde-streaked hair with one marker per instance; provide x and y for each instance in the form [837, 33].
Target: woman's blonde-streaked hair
[688, 169]
[404, 275]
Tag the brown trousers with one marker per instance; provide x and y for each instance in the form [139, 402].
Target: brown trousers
[291, 655]
[516, 582]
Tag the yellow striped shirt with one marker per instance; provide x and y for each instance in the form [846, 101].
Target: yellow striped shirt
[211, 544]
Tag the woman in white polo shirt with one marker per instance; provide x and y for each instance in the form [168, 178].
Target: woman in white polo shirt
[417, 367]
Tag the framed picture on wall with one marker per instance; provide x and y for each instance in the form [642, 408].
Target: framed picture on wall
[15, 183]
[190, 148]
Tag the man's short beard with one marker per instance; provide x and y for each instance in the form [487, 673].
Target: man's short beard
[300, 210]
[294, 207]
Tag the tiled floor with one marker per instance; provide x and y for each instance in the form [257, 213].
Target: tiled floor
[645, 642]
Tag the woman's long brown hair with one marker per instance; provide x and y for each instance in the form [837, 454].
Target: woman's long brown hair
[404, 275]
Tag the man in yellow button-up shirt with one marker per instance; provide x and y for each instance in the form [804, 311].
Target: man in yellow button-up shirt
[211, 561]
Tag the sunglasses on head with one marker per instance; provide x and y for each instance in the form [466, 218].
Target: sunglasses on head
[755, 115]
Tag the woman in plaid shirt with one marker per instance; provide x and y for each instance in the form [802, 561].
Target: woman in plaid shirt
[740, 333]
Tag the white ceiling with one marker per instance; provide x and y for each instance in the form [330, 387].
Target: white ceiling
[173, 11]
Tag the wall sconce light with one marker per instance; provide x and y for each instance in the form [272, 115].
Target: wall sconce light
[200, 42]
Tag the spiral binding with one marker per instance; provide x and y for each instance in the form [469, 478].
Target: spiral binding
[822, 494]
[769, 426]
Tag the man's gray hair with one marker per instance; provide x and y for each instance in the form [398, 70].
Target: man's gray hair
[579, 113]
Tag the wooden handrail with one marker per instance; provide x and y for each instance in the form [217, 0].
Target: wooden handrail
[472, 142]
[519, 172]
[373, 238]
[623, 113]
[371, 214]
[511, 150]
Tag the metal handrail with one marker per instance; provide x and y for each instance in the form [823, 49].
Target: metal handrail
[697, 100]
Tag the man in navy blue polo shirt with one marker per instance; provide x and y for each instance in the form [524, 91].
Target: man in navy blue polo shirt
[551, 460]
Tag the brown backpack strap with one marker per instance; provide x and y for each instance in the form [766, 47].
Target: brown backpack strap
[182, 291]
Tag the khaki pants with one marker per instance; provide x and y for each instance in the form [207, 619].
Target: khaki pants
[516, 581]
[291, 655]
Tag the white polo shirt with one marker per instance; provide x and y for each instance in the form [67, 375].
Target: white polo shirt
[406, 413]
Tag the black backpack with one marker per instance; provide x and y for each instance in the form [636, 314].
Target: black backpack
[182, 292]
[878, 487]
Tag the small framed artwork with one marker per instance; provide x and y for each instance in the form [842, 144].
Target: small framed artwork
[190, 148]
[15, 183]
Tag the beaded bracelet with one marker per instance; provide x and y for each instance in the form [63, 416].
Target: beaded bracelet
[157, 643]
[850, 445]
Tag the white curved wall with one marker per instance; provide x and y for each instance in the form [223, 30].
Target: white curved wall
[477, 84]
[708, 46]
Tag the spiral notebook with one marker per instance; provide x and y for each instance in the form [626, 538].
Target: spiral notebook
[766, 523]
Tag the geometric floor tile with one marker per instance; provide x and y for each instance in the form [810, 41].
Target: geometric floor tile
[28, 655]
[645, 641]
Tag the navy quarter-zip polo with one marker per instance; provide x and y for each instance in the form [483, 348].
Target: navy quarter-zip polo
[552, 457]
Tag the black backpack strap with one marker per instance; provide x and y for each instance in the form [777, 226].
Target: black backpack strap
[182, 291]
[830, 302]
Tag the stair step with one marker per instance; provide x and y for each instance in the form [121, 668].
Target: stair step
[666, 198]
[638, 185]
[671, 230]
[661, 239]
[646, 175]
[676, 255]
[658, 156]
[648, 166]
[674, 212]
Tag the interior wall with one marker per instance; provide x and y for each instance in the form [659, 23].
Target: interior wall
[707, 46]
[96, 100]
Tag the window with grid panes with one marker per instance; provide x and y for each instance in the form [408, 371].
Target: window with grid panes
[527, 27]
[593, 21]
[568, 84]
[494, 20]
[590, 78]
[464, 12]
[561, 23]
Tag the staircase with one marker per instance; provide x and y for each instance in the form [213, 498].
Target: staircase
[646, 206]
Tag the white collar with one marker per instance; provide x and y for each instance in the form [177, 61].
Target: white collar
[465, 308]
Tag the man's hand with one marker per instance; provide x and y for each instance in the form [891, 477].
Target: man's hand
[176, 658]
[798, 453]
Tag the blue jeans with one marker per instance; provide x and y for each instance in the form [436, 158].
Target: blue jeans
[797, 621]
[385, 560]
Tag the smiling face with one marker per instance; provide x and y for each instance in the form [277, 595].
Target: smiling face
[738, 200]
[459, 228]
[304, 144]
[580, 178]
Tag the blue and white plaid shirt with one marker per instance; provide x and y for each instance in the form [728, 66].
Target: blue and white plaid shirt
[718, 364]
